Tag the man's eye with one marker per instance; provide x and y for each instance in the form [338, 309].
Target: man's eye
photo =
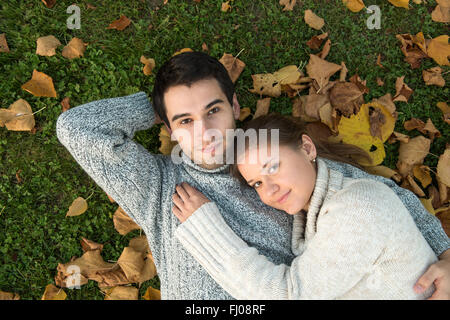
[183, 121]
[217, 110]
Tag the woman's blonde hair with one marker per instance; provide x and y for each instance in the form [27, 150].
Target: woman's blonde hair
[290, 132]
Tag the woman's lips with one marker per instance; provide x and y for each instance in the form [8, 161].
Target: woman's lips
[283, 198]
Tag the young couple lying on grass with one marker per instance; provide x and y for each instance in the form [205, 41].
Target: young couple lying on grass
[304, 222]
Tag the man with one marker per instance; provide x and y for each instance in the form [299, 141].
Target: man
[193, 88]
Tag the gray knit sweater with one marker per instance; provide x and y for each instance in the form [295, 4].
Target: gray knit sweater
[99, 135]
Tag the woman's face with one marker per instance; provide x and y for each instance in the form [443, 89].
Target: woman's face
[285, 181]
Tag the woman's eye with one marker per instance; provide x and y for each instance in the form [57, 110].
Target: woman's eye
[273, 168]
[256, 185]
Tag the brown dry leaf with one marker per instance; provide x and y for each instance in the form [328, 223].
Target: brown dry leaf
[140, 244]
[65, 104]
[413, 55]
[384, 172]
[380, 82]
[412, 153]
[360, 83]
[443, 190]
[123, 223]
[152, 294]
[431, 130]
[434, 196]
[262, 107]
[74, 49]
[225, 6]
[428, 204]
[439, 50]
[120, 24]
[3, 44]
[387, 102]
[422, 173]
[414, 187]
[379, 61]
[419, 40]
[327, 116]
[18, 117]
[90, 6]
[403, 92]
[204, 47]
[88, 245]
[40, 85]
[288, 4]
[445, 111]
[354, 5]
[244, 113]
[233, 65]
[298, 109]
[167, 144]
[46, 46]
[53, 293]
[313, 104]
[444, 217]
[414, 123]
[131, 262]
[78, 206]
[9, 296]
[397, 136]
[346, 97]
[110, 278]
[316, 41]
[325, 50]
[433, 76]
[443, 167]
[49, 3]
[149, 64]
[313, 20]
[400, 3]
[442, 11]
[321, 70]
[183, 50]
[122, 293]
[110, 199]
[18, 178]
[266, 84]
[343, 73]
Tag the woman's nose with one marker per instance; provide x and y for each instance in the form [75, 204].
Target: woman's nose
[272, 189]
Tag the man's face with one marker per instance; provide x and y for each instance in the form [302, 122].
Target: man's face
[199, 117]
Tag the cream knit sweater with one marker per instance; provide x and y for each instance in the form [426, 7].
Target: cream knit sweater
[358, 242]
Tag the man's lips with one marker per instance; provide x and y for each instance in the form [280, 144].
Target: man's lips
[210, 147]
[284, 197]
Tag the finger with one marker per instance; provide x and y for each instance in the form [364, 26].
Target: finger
[178, 201]
[182, 192]
[426, 279]
[177, 212]
[191, 190]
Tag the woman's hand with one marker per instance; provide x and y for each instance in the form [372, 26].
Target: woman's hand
[186, 200]
[439, 274]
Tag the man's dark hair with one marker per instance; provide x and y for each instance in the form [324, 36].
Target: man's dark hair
[185, 69]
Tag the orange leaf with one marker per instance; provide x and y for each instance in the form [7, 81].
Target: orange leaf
[40, 85]
[74, 49]
[3, 44]
[120, 23]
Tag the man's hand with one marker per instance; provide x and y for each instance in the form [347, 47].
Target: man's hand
[186, 200]
[439, 273]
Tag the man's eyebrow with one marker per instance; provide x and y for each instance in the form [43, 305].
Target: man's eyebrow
[178, 116]
[264, 166]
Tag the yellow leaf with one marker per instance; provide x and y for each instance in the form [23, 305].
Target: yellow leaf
[40, 85]
[427, 204]
[122, 293]
[74, 49]
[123, 223]
[183, 50]
[225, 6]
[354, 5]
[288, 4]
[149, 64]
[45, 46]
[18, 117]
[400, 3]
[78, 206]
[313, 20]
[439, 50]
[152, 294]
[53, 293]
[167, 144]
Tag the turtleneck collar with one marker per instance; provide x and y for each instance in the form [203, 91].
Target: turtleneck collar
[188, 161]
[328, 181]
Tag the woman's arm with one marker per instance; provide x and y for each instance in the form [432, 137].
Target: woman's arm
[341, 253]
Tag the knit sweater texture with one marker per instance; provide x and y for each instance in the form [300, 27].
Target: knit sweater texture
[99, 136]
[358, 242]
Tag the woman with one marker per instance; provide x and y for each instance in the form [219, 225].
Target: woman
[354, 238]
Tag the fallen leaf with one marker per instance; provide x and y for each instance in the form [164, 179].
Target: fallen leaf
[262, 107]
[321, 70]
[360, 83]
[444, 217]
[122, 293]
[152, 294]
[53, 293]
[18, 117]
[414, 123]
[204, 47]
[313, 20]
[346, 97]
[439, 50]
[65, 104]
[46, 46]
[400, 3]
[403, 92]
[379, 61]
[354, 5]
[244, 113]
[325, 50]
[384, 172]
[443, 167]
[412, 153]
[433, 76]
[414, 187]
[78, 206]
[443, 190]
[266, 84]
[9, 296]
[3, 44]
[88, 245]
[442, 11]
[422, 173]
[131, 262]
[431, 130]
[120, 24]
[343, 73]
[40, 85]
[49, 3]
[413, 54]
[380, 82]
[167, 144]
[123, 223]
[225, 6]
[149, 64]
[233, 65]
[74, 49]
[90, 6]
[288, 4]
[427, 203]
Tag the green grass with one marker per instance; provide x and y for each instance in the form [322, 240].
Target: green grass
[35, 235]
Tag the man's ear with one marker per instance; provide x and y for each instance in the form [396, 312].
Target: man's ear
[167, 128]
[236, 107]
